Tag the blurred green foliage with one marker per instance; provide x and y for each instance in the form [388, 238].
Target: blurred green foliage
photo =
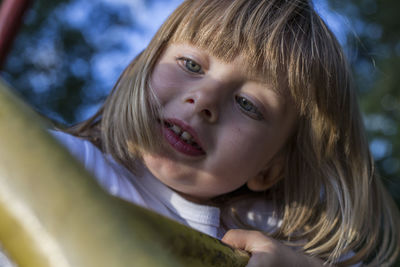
[373, 45]
[53, 60]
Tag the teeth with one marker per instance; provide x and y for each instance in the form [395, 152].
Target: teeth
[186, 137]
[176, 129]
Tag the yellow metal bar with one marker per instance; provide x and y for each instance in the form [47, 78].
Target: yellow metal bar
[53, 213]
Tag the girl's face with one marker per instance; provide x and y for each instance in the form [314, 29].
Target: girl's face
[220, 127]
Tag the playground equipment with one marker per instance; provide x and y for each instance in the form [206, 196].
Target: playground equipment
[11, 14]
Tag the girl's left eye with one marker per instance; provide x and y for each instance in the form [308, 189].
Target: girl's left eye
[191, 65]
[249, 108]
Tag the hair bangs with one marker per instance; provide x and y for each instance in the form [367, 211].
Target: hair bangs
[228, 29]
[276, 39]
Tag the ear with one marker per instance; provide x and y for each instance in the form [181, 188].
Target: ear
[268, 177]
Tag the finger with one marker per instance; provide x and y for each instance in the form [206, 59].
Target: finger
[235, 238]
[247, 240]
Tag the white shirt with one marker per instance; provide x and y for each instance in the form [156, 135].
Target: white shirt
[144, 190]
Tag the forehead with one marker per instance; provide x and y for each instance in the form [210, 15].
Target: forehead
[229, 31]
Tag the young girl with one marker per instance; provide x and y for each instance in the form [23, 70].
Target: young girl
[241, 114]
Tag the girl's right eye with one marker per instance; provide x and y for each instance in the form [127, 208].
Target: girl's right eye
[191, 65]
[249, 108]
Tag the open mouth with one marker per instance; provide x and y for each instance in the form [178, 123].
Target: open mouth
[180, 138]
[183, 135]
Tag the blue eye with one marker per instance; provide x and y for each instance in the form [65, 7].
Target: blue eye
[191, 65]
[248, 107]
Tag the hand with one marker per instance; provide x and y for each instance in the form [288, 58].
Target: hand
[266, 251]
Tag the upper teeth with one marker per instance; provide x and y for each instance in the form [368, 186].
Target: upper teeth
[176, 129]
[187, 137]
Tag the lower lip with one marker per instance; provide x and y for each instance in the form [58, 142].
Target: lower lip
[179, 145]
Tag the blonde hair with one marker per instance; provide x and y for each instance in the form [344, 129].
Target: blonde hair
[331, 196]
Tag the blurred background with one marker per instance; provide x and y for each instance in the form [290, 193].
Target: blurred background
[69, 53]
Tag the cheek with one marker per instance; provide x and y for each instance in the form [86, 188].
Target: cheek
[165, 82]
[159, 87]
[248, 150]
[244, 155]
[162, 167]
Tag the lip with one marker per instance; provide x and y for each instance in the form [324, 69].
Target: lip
[177, 143]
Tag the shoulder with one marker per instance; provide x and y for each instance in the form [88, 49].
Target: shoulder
[75, 145]
[84, 151]
[111, 175]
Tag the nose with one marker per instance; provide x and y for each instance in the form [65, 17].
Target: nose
[206, 102]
